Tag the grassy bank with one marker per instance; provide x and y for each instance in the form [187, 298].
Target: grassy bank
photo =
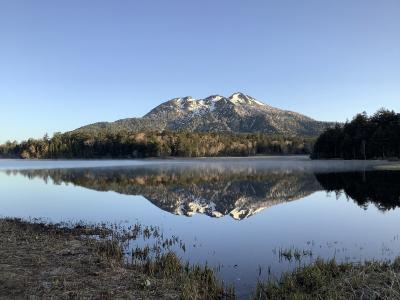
[330, 280]
[50, 261]
[81, 261]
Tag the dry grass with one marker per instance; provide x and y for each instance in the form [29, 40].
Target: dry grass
[196, 282]
[330, 280]
[48, 261]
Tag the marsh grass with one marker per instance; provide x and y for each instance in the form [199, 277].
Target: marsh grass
[157, 260]
[91, 261]
[332, 280]
[293, 253]
[196, 281]
[110, 249]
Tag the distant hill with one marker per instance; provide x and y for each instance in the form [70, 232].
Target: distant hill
[238, 113]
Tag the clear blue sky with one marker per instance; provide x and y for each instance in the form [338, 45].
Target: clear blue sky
[67, 63]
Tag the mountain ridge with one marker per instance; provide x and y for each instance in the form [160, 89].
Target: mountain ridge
[238, 113]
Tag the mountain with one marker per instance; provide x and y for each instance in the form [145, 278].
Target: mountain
[238, 113]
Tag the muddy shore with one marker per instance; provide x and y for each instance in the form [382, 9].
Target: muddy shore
[47, 261]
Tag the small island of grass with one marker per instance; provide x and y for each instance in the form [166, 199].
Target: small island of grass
[332, 280]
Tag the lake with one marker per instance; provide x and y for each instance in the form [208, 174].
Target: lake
[240, 215]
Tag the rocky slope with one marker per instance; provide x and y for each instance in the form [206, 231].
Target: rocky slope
[238, 113]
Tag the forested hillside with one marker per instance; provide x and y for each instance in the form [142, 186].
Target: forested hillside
[365, 137]
[125, 144]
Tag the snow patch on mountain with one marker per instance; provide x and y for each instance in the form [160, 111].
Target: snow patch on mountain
[238, 113]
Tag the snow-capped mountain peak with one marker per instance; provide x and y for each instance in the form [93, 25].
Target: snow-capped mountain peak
[236, 113]
[213, 98]
[240, 98]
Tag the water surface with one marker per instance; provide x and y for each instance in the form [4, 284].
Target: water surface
[237, 214]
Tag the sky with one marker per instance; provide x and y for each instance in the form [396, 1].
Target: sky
[68, 63]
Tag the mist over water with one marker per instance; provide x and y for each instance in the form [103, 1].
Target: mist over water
[237, 214]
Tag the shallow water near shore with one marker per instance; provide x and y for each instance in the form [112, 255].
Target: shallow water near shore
[249, 217]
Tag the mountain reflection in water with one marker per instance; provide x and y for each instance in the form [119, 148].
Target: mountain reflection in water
[238, 192]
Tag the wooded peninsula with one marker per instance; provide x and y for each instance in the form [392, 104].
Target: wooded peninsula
[365, 137]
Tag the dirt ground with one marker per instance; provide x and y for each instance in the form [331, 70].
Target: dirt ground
[43, 261]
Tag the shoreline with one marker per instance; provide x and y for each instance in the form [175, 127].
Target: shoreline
[155, 158]
[50, 261]
[290, 162]
[79, 261]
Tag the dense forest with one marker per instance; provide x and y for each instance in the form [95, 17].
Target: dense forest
[365, 137]
[125, 144]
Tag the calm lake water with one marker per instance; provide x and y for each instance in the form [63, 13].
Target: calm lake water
[236, 214]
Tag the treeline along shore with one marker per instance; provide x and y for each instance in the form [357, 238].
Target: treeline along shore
[126, 144]
[365, 137]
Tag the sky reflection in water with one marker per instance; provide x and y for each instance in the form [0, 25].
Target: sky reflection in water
[236, 213]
